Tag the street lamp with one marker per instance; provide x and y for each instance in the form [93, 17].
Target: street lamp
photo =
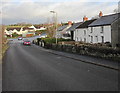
[55, 23]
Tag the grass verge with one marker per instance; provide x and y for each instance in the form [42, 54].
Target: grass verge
[3, 49]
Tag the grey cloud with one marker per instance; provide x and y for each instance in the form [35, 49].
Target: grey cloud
[38, 12]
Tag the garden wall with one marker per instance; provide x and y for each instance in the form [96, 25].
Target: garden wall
[89, 50]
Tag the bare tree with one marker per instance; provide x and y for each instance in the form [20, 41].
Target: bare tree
[116, 10]
[50, 29]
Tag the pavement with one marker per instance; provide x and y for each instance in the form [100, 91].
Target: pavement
[32, 68]
[88, 59]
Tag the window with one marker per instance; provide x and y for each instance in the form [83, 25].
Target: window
[96, 38]
[91, 29]
[102, 37]
[102, 29]
[77, 38]
[91, 39]
[84, 39]
[84, 32]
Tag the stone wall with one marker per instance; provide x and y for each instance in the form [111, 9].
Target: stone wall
[101, 52]
[83, 49]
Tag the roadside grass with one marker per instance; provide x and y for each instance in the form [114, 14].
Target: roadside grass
[3, 49]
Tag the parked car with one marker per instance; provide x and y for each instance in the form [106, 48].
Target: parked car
[20, 38]
[26, 42]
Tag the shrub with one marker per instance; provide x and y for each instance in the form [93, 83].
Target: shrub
[15, 35]
[52, 40]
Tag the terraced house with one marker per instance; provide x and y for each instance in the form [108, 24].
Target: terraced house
[101, 30]
[82, 31]
[10, 31]
[28, 32]
[62, 31]
[25, 30]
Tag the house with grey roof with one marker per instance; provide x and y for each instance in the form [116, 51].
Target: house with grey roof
[62, 31]
[103, 30]
[81, 32]
[72, 29]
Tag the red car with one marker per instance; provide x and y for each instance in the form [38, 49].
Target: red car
[26, 42]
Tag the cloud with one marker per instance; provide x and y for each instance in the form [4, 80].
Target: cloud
[39, 12]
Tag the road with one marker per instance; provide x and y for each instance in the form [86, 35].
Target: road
[32, 68]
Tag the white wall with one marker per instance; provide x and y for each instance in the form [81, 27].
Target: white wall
[8, 32]
[80, 34]
[96, 35]
[33, 27]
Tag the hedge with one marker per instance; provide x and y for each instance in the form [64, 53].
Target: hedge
[52, 40]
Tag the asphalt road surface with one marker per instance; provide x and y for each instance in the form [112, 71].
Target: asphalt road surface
[31, 68]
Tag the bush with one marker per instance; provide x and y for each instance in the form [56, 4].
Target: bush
[52, 40]
[15, 35]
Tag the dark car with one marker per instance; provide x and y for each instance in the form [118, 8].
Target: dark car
[26, 42]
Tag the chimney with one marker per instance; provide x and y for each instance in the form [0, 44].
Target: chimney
[85, 18]
[69, 22]
[100, 14]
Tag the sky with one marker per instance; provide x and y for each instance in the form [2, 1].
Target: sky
[38, 11]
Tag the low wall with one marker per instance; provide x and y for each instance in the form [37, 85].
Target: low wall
[107, 53]
[95, 51]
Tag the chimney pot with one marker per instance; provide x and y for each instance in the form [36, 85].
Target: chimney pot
[100, 14]
[85, 18]
[69, 22]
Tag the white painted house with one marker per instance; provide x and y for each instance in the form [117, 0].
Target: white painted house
[97, 30]
[12, 30]
[100, 31]
[62, 31]
[33, 27]
[27, 31]
[82, 32]
[72, 29]
[8, 32]
[38, 28]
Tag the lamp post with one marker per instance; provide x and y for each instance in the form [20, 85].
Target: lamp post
[55, 24]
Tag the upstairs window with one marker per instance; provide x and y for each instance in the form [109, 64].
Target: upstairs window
[91, 39]
[84, 32]
[102, 37]
[91, 29]
[102, 29]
